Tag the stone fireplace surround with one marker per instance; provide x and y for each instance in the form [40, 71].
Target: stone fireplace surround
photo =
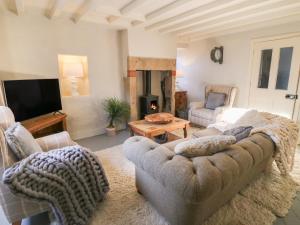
[141, 63]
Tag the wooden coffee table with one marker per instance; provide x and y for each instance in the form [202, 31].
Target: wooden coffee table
[150, 130]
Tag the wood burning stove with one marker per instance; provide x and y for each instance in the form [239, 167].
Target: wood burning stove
[148, 102]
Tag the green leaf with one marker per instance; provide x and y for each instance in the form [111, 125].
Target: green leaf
[117, 111]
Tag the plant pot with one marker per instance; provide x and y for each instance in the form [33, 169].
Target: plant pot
[111, 131]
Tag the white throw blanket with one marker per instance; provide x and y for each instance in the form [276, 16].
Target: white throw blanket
[284, 133]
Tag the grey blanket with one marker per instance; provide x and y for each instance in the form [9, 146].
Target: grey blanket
[70, 179]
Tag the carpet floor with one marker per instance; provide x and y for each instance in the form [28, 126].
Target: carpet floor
[270, 196]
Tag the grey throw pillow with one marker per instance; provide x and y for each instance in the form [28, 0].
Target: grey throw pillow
[204, 146]
[215, 100]
[21, 141]
[239, 132]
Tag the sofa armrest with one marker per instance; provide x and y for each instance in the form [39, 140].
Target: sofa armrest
[55, 141]
[197, 105]
[193, 179]
[16, 208]
[135, 148]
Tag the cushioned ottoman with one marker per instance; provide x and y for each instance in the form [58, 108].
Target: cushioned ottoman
[186, 191]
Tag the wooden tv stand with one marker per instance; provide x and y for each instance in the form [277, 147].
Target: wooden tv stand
[45, 125]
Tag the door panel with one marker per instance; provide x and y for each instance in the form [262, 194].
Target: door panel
[275, 74]
[284, 68]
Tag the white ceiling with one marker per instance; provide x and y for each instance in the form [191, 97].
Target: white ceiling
[189, 20]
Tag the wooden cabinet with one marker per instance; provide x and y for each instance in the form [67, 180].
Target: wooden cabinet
[45, 125]
[180, 100]
[181, 104]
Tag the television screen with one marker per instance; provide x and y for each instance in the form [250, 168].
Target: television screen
[31, 98]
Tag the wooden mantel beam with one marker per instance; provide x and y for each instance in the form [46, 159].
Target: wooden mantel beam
[16, 6]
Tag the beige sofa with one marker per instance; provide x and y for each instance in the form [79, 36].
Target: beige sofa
[201, 116]
[186, 191]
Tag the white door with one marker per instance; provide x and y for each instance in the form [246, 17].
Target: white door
[275, 76]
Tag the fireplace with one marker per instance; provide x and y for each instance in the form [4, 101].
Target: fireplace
[148, 103]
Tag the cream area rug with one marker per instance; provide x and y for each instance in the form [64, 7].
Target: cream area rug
[258, 204]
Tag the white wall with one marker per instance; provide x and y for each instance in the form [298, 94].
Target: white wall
[199, 70]
[29, 45]
[151, 44]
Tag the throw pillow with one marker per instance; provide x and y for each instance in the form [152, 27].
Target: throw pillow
[204, 146]
[239, 132]
[21, 141]
[215, 100]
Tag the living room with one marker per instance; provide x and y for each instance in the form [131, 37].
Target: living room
[168, 56]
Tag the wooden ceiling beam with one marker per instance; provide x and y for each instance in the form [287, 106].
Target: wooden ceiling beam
[242, 28]
[82, 9]
[272, 12]
[165, 9]
[201, 10]
[136, 22]
[131, 6]
[54, 8]
[112, 18]
[16, 6]
[126, 9]
[226, 13]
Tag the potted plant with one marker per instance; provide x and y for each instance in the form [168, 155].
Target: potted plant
[117, 111]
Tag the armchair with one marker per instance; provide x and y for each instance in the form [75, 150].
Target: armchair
[17, 208]
[202, 116]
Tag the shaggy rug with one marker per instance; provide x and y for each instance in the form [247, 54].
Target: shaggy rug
[270, 196]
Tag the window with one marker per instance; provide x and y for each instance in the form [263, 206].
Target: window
[284, 67]
[265, 66]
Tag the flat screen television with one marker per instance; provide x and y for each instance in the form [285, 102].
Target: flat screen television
[32, 98]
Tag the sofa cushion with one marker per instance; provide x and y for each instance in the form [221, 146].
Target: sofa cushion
[206, 132]
[215, 100]
[228, 90]
[171, 145]
[21, 141]
[204, 146]
[207, 114]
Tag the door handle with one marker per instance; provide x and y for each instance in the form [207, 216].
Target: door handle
[291, 96]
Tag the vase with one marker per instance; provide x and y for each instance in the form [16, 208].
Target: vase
[110, 131]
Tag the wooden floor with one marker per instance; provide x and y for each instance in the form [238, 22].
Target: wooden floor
[101, 142]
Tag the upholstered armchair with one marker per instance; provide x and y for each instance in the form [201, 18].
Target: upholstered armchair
[202, 116]
[14, 207]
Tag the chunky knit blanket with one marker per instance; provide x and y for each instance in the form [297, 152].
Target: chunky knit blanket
[284, 133]
[70, 179]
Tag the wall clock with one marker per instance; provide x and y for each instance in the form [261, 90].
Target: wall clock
[216, 54]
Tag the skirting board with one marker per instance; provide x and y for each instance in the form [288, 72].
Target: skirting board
[80, 134]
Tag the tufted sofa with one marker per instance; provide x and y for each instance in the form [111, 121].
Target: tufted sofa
[199, 115]
[189, 190]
